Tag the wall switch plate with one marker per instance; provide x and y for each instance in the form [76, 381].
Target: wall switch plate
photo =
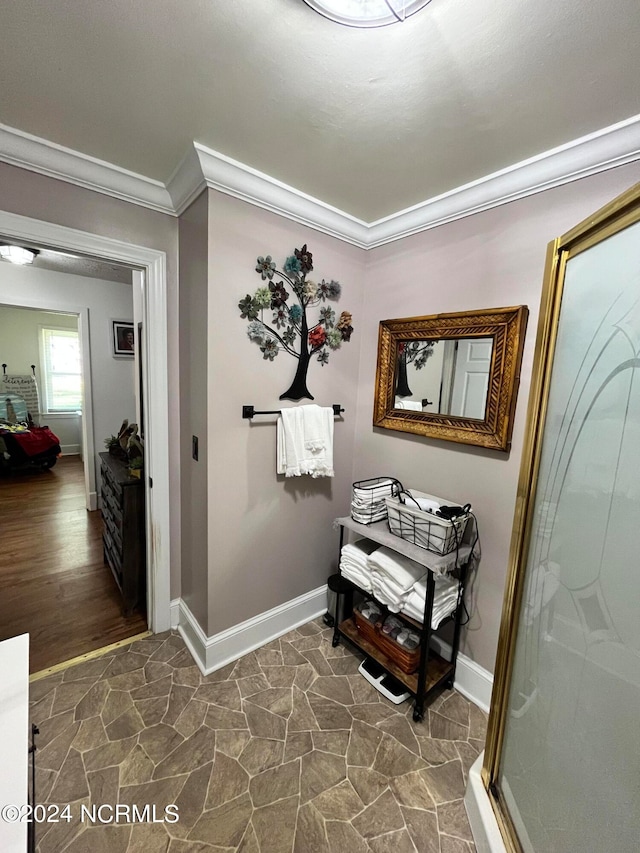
[194, 447]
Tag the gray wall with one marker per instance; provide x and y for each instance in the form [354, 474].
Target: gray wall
[193, 405]
[267, 539]
[271, 538]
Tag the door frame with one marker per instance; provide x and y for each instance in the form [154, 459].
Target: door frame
[154, 317]
[605, 222]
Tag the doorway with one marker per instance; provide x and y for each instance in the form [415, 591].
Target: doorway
[151, 282]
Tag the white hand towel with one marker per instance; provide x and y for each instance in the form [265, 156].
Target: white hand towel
[390, 602]
[356, 569]
[400, 569]
[359, 550]
[414, 405]
[417, 602]
[437, 614]
[445, 598]
[305, 441]
[391, 588]
[443, 584]
[367, 517]
[358, 565]
[360, 579]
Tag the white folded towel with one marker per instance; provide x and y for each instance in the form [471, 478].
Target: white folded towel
[361, 579]
[414, 405]
[356, 569]
[353, 562]
[359, 550]
[437, 614]
[305, 441]
[445, 599]
[369, 517]
[443, 584]
[388, 585]
[356, 565]
[388, 592]
[393, 601]
[416, 603]
[400, 569]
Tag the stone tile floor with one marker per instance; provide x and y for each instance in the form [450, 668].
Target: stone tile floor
[288, 749]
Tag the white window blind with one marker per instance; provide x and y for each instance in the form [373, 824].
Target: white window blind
[61, 370]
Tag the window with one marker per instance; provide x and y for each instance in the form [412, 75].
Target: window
[61, 370]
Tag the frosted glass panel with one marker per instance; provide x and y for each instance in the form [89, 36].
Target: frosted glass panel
[570, 772]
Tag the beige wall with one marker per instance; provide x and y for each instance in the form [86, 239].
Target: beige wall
[193, 405]
[29, 194]
[491, 259]
[271, 538]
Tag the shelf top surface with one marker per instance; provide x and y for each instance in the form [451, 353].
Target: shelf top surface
[379, 532]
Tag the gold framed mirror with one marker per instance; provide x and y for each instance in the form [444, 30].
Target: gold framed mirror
[451, 376]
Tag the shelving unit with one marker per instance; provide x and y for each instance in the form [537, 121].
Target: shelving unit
[433, 671]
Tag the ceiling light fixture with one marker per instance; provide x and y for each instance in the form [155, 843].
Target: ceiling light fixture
[18, 254]
[367, 13]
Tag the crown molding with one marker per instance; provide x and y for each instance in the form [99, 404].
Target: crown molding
[187, 181]
[203, 168]
[55, 161]
[605, 149]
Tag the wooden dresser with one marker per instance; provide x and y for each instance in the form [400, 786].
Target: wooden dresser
[123, 537]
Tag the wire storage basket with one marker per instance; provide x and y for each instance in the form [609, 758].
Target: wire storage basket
[409, 519]
[368, 498]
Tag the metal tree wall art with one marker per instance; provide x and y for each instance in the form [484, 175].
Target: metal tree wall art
[411, 352]
[287, 296]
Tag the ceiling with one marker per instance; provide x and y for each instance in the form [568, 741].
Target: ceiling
[369, 121]
[64, 262]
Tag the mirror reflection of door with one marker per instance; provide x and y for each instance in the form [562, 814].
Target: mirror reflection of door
[471, 378]
[453, 380]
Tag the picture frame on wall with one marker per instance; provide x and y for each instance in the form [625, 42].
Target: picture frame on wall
[123, 338]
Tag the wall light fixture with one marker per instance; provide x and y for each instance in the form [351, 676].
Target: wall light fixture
[18, 254]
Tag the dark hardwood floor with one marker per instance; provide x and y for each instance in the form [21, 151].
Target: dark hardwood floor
[53, 582]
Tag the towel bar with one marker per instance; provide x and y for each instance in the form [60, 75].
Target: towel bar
[249, 411]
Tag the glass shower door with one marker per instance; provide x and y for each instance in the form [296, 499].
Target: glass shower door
[569, 769]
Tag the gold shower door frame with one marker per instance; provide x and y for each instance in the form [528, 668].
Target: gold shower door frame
[609, 220]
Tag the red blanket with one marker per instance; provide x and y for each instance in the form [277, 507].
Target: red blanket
[36, 440]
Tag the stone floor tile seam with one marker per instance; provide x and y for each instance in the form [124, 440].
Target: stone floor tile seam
[455, 838]
[438, 828]
[390, 833]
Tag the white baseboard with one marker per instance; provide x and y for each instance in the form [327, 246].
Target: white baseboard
[473, 681]
[70, 449]
[212, 653]
[93, 501]
[482, 820]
